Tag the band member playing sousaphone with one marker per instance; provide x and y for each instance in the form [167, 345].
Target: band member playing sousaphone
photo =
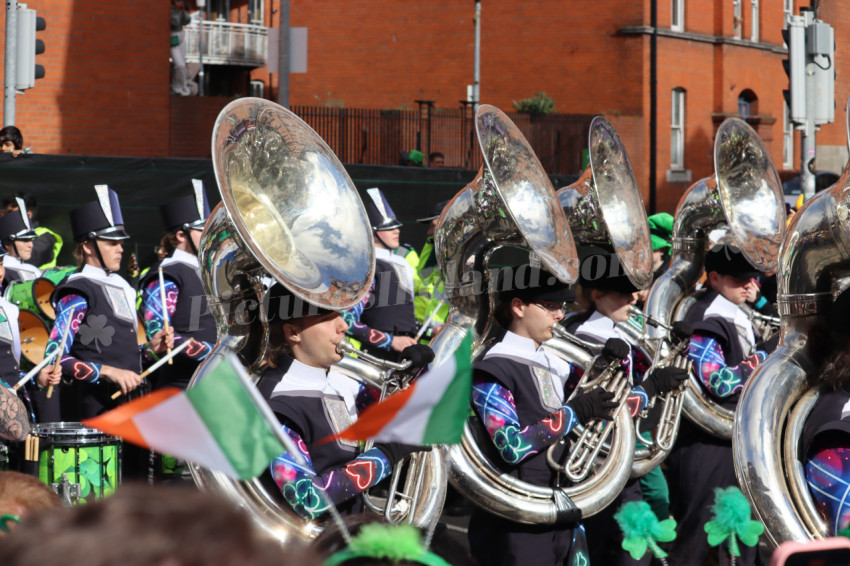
[16, 236]
[521, 394]
[724, 355]
[312, 402]
[825, 443]
[608, 293]
[101, 345]
[186, 309]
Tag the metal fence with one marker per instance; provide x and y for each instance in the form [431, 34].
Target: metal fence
[381, 137]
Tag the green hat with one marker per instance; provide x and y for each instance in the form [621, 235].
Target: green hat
[660, 230]
[416, 157]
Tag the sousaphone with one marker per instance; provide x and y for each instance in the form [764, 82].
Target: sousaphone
[814, 266]
[511, 202]
[744, 195]
[291, 214]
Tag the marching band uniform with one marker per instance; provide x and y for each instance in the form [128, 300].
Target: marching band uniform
[825, 442]
[104, 326]
[603, 534]
[15, 227]
[312, 403]
[519, 393]
[387, 310]
[188, 311]
[723, 352]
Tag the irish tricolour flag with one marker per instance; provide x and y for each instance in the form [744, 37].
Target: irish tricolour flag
[431, 411]
[222, 423]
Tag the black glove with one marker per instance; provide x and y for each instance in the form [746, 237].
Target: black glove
[396, 451]
[594, 404]
[664, 380]
[419, 355]
[615, 349]
[681, 330]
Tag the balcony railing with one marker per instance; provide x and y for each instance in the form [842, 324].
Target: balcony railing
[227, 43]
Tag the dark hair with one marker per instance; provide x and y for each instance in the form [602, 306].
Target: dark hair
[830, 353]
[141, 525]
[503, 313]
[12, 134]
[169, 242]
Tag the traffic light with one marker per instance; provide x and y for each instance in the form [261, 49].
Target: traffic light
[28, 47]
[820, 50]
[795, 68]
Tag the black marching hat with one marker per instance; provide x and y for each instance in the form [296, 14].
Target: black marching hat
[435, 212]
[727, 259]
[100, 218]
[379, 211]
[15, 225]
[529, 283]
[283, 305]
[188, 212]
[600, 269]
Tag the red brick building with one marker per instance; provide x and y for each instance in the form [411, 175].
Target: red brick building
[106, 90]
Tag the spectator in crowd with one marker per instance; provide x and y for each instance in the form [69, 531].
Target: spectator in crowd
[22, 495]
[12, 141]
[142, 525]
[436, 159]
[180, 74]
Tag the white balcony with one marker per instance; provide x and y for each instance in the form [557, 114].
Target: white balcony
[226, 43]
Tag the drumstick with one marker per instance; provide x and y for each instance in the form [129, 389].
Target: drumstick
[161, 361]
[62, 347]
[164, 308]
[36, 369]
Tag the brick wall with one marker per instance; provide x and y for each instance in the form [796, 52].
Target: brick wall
[106, 86]
[192, 121]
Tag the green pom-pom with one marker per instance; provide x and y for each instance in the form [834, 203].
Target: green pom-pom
[731, 509]
[394, 542]
[642, 530]
[732, 520]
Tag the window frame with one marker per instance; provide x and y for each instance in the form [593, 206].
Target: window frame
[755, 21]
[677, 15]
[677, 128]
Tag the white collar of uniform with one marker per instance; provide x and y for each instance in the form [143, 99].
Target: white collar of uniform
[600, 327]
[724, 308]
[387, 255]
[301, 377]
[15, 263]
[523, 350]
[179, 256]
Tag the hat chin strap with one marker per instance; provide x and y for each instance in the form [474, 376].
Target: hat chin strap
[93, 240]
[187, 230]
[380, 239]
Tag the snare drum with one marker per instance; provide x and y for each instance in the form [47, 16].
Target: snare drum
[33, 295]
[34, 337]
[86, 456]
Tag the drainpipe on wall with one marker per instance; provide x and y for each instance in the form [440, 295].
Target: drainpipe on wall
[283, 55]
[653, 106]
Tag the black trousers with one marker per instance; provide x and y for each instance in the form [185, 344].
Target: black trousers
[698, 464]
[604, 537]
[498, 542]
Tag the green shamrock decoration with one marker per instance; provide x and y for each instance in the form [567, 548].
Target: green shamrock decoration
[732, 520]
[642, 529]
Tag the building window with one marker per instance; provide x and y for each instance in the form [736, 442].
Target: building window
[747, 104]
[257, 89]
[677, 20]
[677, 130]
[256, 12]
[737, 20]
[788, 8]
[787, 138]
[756, 21]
